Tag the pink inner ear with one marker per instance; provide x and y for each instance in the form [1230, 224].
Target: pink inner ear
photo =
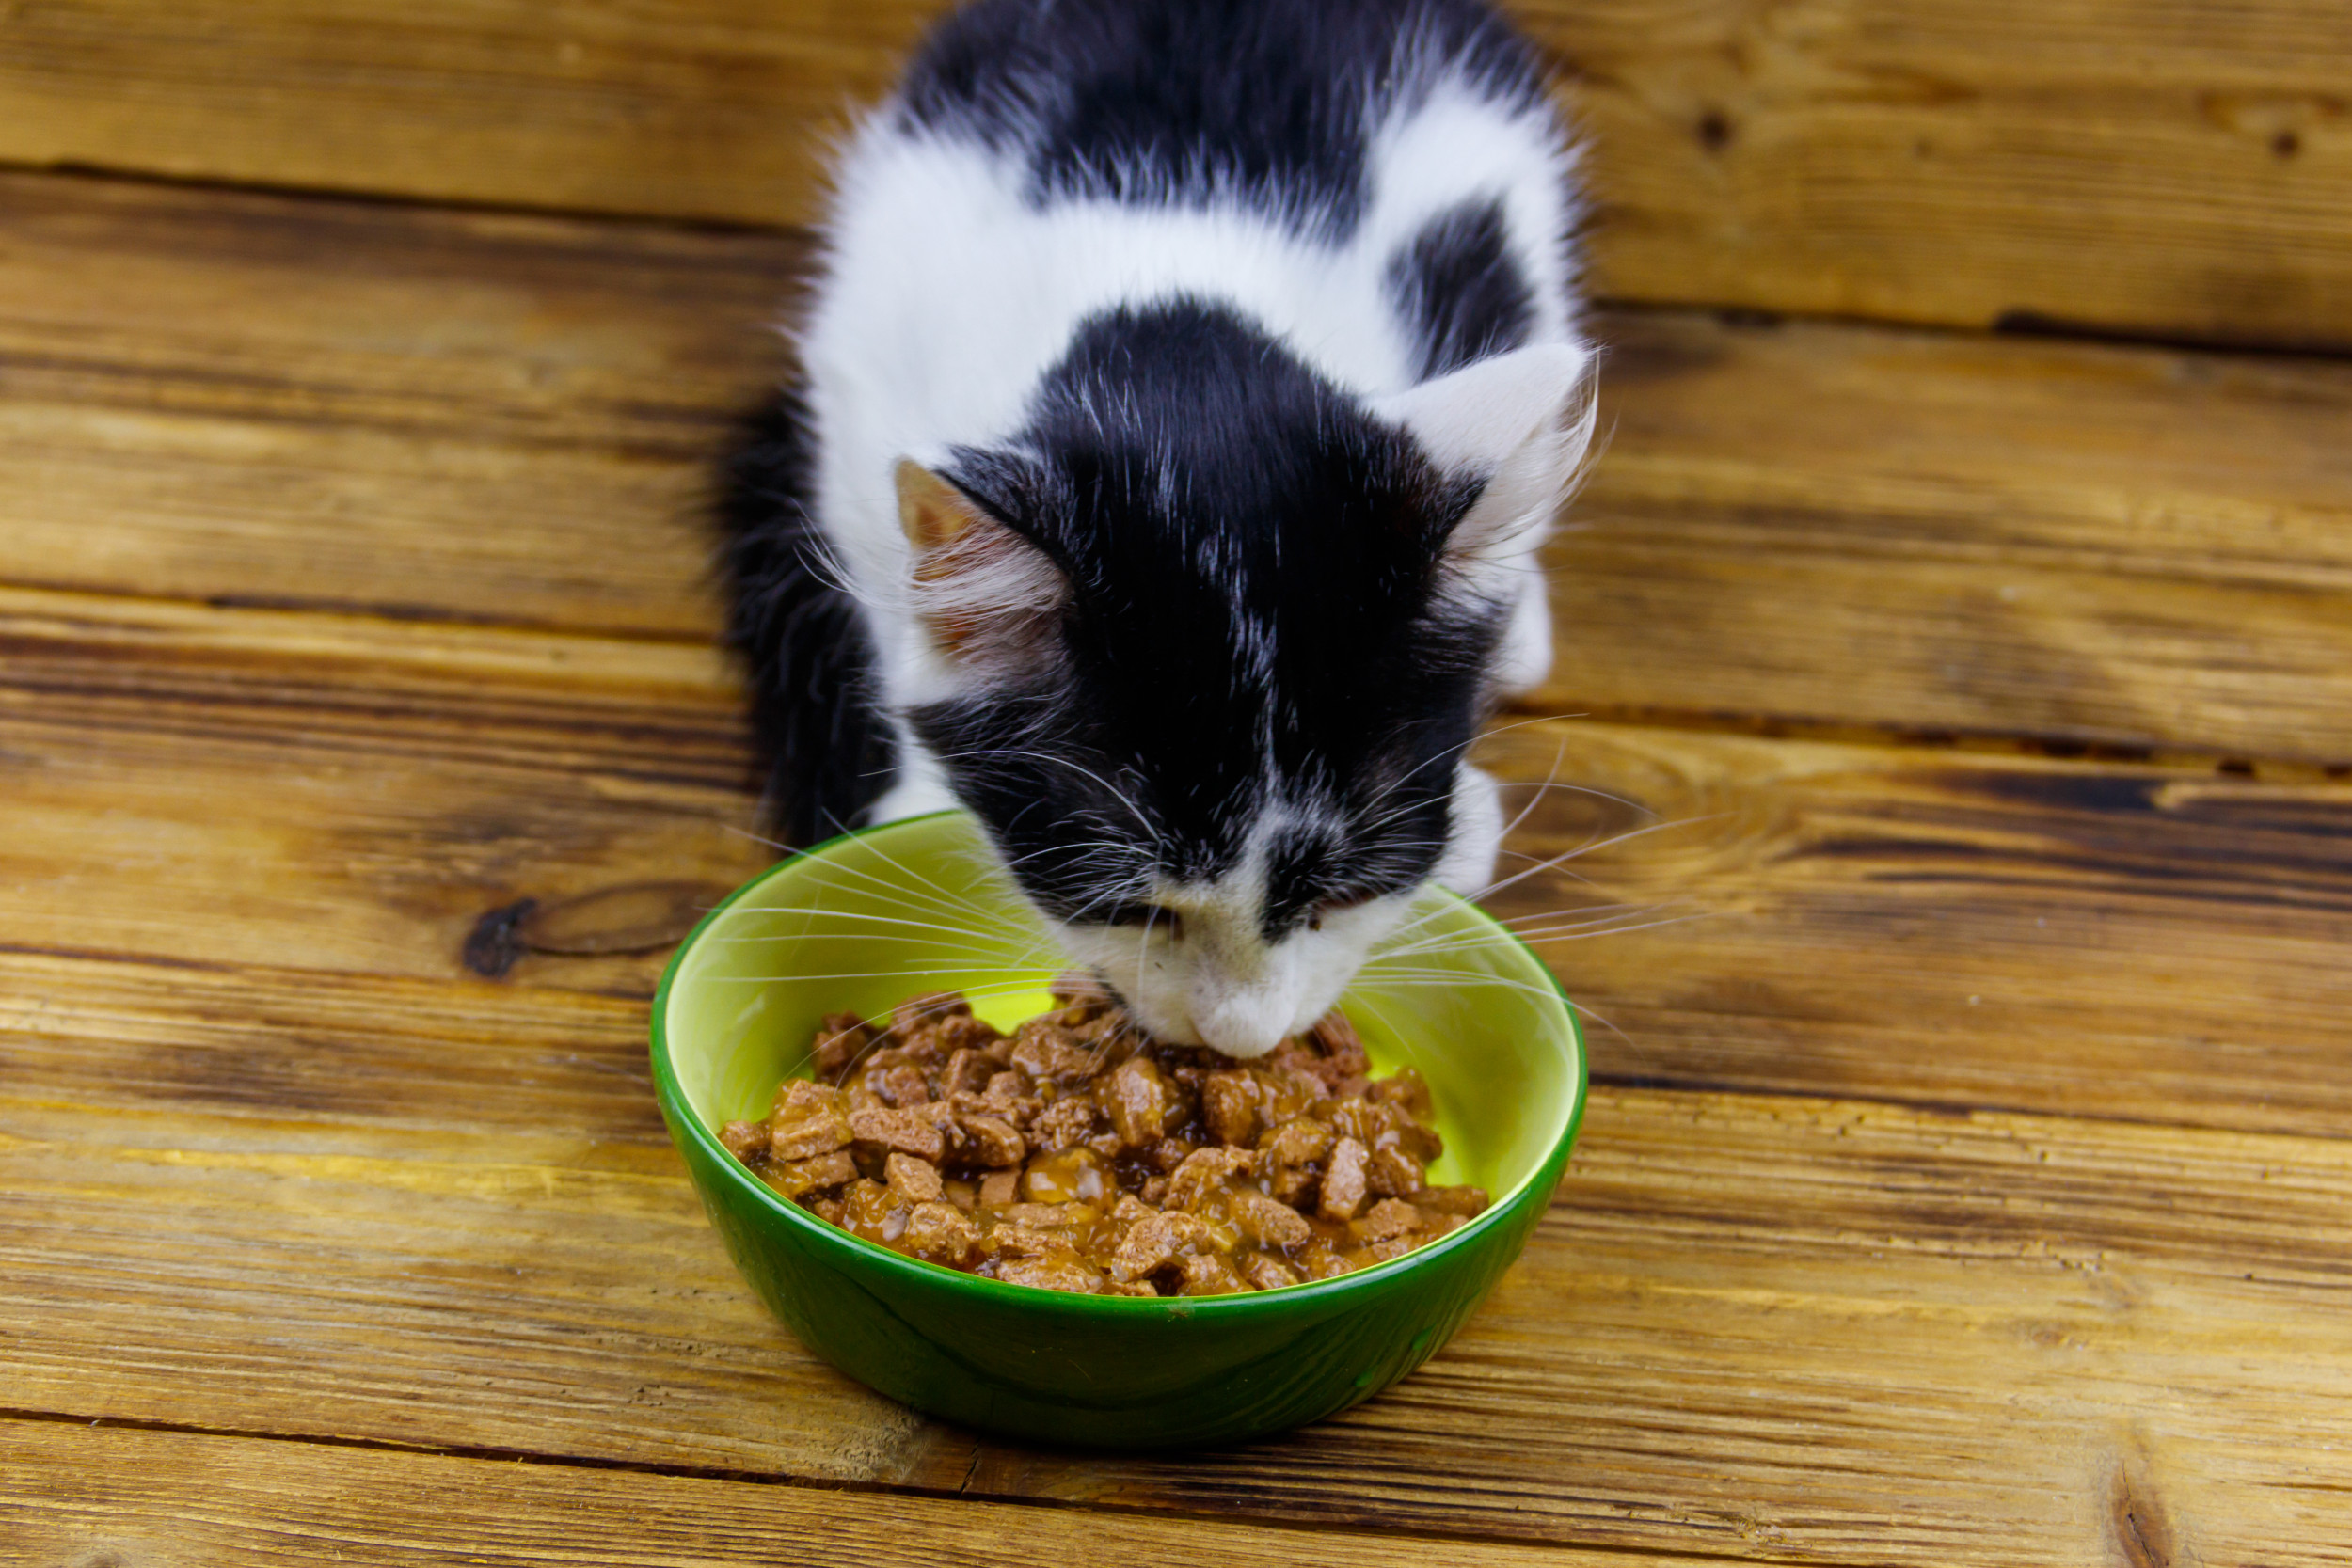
[985, 593]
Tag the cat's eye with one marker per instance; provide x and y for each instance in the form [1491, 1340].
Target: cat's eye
[1336, 904]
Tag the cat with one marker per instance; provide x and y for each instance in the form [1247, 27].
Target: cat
[1185, 394]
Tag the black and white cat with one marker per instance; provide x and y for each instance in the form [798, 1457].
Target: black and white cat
[1188, 388]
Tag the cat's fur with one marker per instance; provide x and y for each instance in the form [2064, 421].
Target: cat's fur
[1188, 386]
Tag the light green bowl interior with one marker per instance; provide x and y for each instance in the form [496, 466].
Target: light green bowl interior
[923, 905]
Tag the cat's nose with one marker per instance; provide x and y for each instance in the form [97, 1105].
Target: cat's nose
[1240, 1027]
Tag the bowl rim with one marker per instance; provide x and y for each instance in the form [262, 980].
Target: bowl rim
[682, 1115]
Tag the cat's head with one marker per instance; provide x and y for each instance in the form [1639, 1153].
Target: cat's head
[1212, 637]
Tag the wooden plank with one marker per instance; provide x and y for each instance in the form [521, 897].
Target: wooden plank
[2176, 169]
[1809, 525]
[302, 792]
[283, 788]
[685, 108]
[1765, 1328]
[425, 415]
[1848, 527]
[2179, 170]
[70, 1495]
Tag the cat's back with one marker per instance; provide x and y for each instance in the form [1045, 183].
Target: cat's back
[1271, 106]
[1350, 175]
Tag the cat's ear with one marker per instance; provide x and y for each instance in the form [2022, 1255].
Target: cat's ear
[1518, 423]
[986, 594]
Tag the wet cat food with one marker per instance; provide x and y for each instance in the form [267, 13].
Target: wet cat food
[1078, 1154]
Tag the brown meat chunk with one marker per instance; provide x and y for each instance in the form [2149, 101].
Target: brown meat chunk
[899, 1084]
[915, 1180]
[1009, 1089]
[1320, 1261]
[920, 1012]
[1204, 1171]
[794, 1176]
[1289, 1157]
[830, 1209]
[992, 1142]
[1052, 1273]
[1136, 1098]
[909, 1131]
[744, 1139]
[1063, 1123]
[1342, 1049]
[1345, 1180]
[1267, 1272]
[999, 1188]
[841, 1039]
[1049, 1052]
[808, 1121]
[1168, 1153]
[1298, 1142]
[963, 1032]
[1229, 1103]
[939, 1233]
[967, 1072]
[1267, 1221]
[1210, 1273]
[1405, 1088]
[1469, 1202]
[1158, 1243]
[1394, 1173]
[1390, 1217]
[1128, 1288]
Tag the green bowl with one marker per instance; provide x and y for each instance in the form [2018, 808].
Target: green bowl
[918, 905]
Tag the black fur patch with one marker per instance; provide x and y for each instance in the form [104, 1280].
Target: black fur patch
[1254, 566]
[1457, 288]
[825, 752]
[1178, 101]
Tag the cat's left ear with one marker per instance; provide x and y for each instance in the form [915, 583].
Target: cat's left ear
[985, 593]
[1519, 422]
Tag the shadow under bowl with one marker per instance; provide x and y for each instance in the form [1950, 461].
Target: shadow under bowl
[860, 923]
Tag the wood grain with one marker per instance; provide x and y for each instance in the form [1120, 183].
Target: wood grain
[436, 415]
[1809, 525]
[349, 794]
[1848, 527]
[148, 1500]
[2182, 169]
[1769, 1328]
[2177, 169]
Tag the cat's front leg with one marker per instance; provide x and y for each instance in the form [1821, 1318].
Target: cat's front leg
[1468, 866]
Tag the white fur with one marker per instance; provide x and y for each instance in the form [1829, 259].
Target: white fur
[947, 297]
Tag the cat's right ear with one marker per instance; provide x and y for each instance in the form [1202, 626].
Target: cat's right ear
[1520, 423]
[987, 595]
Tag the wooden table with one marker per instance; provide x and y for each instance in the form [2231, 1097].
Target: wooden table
[1966, 721]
